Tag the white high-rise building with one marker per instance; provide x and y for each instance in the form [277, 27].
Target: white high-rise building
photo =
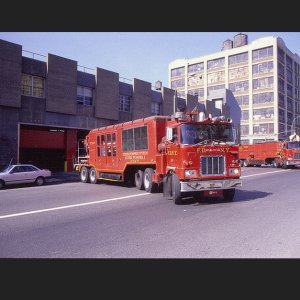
[264, 77]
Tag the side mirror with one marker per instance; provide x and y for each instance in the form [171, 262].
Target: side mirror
[169, 133]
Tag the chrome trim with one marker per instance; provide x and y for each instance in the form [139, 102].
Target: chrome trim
[208, 185]
[206, 157]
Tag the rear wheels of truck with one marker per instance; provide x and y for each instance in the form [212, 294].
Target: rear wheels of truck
[93, 175]
[84, 174]
[149, 185]
[138, 178]
[228, 195]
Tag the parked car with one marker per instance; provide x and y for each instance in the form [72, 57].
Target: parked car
[23, 173]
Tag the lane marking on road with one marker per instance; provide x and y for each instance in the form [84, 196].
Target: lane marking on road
[70, 206]
[264, 173]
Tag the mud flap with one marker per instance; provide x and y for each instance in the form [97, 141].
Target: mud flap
[167, 186]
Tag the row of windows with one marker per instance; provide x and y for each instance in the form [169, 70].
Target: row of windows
[33, 86]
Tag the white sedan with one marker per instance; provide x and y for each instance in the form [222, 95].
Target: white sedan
[17, 174]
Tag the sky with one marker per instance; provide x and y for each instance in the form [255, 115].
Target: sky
[142, 55]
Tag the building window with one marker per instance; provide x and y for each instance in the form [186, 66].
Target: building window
[289, 75]
[180, 94]
[155, 108]
[281, 100]
[238, 73]
[281, 85]
[196, 68]
[196, 92]
[33, 86]
[289, 62]
[263, 98]
[215, 63]
[262, 53]
[245, 115]
[240, 86]
[177, 72]
[281, 115]
[280, 70]
[289, 90]
[289, 103]
[216, 77]
[238, 58]
[195, 80]
[263, 83]
[84, 96]
[214, 88]
[177, 84]
[262, 68]
[290, 118]
[265, 128]
[242, 100]
[263, 113]
[280, 55]
[244, 129]
[124, 103]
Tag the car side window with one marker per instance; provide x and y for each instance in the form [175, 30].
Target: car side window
[16, 170]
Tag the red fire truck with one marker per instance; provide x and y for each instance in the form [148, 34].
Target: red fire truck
[277, 153]
[181, 155]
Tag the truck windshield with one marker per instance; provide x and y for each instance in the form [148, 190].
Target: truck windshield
[192, 134]
[293, 145]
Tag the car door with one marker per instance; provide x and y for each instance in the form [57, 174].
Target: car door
[30, 173]
[16, 175]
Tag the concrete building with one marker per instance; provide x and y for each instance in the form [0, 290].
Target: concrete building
[263, 76]
[48, 105]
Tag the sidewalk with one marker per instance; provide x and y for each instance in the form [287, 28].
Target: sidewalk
[63, 177]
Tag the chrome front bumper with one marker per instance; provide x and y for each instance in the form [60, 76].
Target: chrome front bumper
[193, 186]
[293, 163]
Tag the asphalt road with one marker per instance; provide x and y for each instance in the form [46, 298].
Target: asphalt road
[77, 220]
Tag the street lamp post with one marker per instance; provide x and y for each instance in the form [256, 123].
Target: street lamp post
[293, 124]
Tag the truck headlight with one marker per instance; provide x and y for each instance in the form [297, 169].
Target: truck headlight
[233, 171]
[190, 173]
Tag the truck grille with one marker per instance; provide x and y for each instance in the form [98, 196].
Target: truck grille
[212, 165]
[297, 155]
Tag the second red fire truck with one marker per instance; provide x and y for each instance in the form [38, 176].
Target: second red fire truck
[279, 154]
[183, 155]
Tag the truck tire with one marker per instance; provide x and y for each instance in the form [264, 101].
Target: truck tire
[84, 175]
[176, 193]
[2, 184]
[93, 176]
[245, 163]
[149, 185]
[228, 195]
[139, 179]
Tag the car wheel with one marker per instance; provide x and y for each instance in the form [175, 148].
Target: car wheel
[40, 181]
[93, 176]
[84, 174]
[2, 184]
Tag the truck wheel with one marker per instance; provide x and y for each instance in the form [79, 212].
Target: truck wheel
[274, 164]
[176, 193]
[138, 178]
[228, 195]
[2, 184]
[241, 163]
[84, 174]
[93, 176]
[149, 185]
[245, 163]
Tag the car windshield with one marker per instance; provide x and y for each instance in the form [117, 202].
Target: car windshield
[293, 145]
[192, 134]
